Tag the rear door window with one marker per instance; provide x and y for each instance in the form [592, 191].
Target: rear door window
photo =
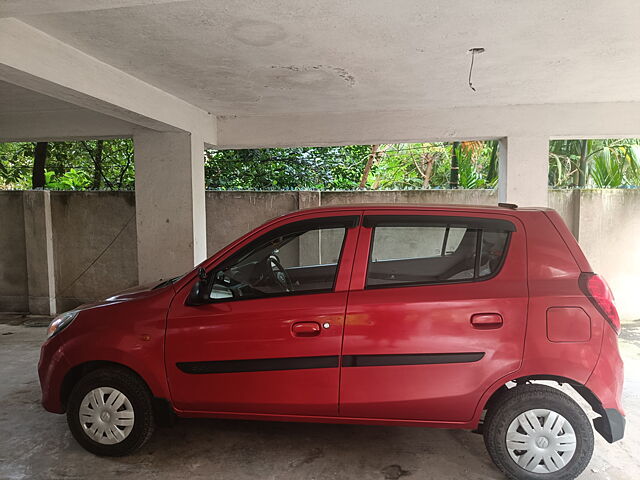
[422, 250]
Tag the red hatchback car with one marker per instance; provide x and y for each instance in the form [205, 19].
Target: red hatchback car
[433, 316]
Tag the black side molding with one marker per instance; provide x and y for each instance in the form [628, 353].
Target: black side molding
[330, 361]
[258, 365]
[410, 359]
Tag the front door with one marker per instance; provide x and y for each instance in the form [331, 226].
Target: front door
[269, 340]
[436, 314]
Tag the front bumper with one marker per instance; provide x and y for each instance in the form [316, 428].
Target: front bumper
[52, 368]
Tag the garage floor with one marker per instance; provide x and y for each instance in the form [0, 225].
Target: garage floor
[35, 444]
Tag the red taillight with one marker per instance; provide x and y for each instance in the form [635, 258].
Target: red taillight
[596, 289]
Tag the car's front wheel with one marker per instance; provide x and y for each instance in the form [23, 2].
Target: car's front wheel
[109, 412]
[538, 432]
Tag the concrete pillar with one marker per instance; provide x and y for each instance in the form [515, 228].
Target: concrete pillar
[523, 176]
[38, 234]
[170, 203]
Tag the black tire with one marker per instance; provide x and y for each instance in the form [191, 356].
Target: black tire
[520, 399]
[137, 393]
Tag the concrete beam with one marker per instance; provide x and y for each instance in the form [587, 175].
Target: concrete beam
[589, 120]
[170, 203]
[22, 8]
[61, 125]
[37, 61]
[523, 176]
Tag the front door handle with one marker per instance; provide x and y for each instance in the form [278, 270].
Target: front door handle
[486, 321]
[306, 329]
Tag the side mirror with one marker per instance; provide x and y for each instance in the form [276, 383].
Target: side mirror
[199, 294]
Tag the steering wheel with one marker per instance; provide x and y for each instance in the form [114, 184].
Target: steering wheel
[278, 273]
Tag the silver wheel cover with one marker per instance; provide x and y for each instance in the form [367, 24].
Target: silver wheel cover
[541, 441]
[106, 415]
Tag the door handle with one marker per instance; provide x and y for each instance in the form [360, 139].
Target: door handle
[306, 329]
[486, 321]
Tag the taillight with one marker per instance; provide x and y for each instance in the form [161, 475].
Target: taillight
[598, 292]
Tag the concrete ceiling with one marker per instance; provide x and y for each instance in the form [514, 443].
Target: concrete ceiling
[274, 57]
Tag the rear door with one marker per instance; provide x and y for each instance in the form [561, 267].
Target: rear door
[436, 314]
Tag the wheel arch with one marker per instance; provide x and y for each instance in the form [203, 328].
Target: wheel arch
[74, 375]
[163, 410]
[602, 424]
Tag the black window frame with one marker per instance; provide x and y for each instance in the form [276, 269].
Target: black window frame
[302, 226]
[480, 224]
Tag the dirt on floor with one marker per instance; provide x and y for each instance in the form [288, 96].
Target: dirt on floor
[35, 444]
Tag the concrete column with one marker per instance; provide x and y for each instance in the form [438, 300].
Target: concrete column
[170, 203]
[524, 171]
[38, 234]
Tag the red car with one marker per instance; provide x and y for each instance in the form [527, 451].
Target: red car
[433, 316]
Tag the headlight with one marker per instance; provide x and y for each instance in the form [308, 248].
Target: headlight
[61, 322]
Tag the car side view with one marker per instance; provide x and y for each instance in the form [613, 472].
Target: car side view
[432, 316]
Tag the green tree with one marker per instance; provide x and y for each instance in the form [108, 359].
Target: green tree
[607, 163]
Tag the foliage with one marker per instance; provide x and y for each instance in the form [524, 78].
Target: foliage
[607, 163]
[71, 165]
[16, 162]
[108, 164]
[71, 180]
[302, 168]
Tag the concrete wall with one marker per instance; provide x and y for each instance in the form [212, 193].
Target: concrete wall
[94, 242]
[232, 214]
[13, 260]
[609, 234]
[465, 197]
[94, 234]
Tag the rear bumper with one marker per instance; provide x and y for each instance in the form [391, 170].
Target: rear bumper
[603, 390]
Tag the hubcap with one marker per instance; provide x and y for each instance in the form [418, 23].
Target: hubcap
[541, 441]
[106, 415]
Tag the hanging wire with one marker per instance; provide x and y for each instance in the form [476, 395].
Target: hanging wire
[473, 56]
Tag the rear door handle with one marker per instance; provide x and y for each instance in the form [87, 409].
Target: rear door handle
[486, 321]
[306, 329]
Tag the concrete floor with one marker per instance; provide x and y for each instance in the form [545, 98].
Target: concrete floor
[35, 444]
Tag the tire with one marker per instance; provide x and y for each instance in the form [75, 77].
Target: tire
[546, 449]
[117, 425]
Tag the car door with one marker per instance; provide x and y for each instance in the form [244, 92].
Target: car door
[436, 313]
[269, 338]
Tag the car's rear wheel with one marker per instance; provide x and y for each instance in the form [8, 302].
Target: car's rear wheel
[538, 432]
[109, 412]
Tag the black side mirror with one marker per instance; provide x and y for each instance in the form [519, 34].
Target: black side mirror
[199, 294]
[202, 274]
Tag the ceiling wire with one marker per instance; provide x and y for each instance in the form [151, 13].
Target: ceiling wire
[473, 56]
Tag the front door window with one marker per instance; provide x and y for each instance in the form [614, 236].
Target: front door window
[304, 260]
